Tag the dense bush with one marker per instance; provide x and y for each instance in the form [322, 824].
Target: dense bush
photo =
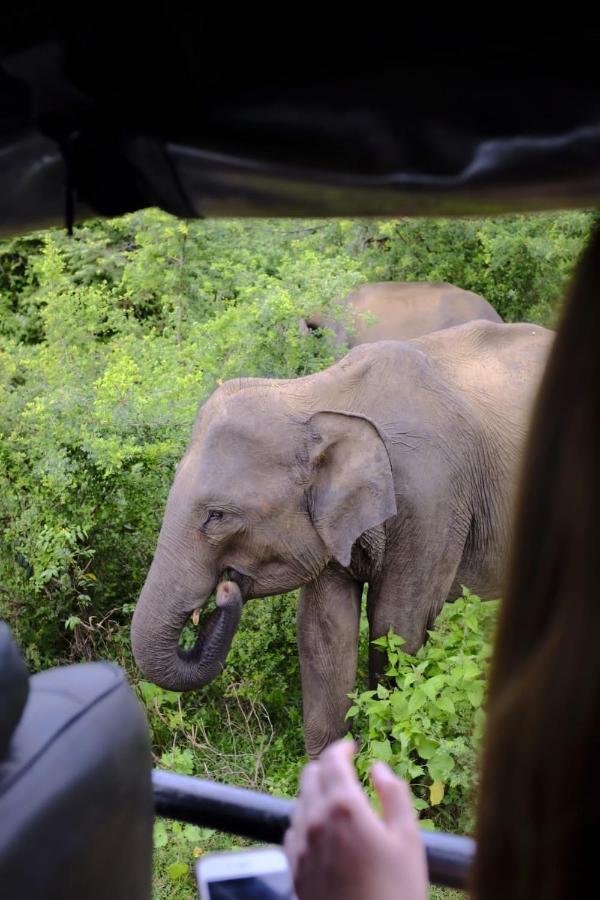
[519, 264]
[426, 721]
[108, 342]
[98, 411]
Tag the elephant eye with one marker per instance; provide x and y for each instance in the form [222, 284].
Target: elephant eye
[214, 515]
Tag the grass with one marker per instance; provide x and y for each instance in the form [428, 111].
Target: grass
[181, 885]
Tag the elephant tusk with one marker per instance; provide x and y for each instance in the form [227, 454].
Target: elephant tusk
[196, 617]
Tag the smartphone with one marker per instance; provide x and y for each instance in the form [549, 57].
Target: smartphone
[245, 875]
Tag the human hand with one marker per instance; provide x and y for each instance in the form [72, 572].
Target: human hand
[338, 847]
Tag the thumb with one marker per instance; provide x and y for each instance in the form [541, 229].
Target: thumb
[394, 795]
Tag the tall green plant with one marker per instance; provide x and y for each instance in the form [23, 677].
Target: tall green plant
[426, 721]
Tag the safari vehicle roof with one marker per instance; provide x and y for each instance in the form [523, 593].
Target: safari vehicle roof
[107, 108]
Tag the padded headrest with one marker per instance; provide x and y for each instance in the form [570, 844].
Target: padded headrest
[14, 686]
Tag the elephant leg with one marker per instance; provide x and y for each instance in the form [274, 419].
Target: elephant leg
[408, 599]
[328, 623]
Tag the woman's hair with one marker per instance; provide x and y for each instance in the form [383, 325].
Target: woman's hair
[539, 797]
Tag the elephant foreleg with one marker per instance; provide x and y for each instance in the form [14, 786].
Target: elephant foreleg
[328, 624]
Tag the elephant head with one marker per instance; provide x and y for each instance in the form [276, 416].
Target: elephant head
[270, 490]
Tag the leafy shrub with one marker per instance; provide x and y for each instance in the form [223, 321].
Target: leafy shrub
[176, 848]
[427, 720]
[97, 413]
[520, 264]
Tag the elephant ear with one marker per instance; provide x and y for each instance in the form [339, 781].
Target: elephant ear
[351, 483]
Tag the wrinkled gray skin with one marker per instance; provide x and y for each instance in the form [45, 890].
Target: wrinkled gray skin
[402, 310]
[395, 467]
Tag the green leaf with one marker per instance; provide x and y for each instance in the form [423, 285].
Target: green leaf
[380, 642]
[413, 770]
[206, 833]
[177, 871]
[417, 700]
[434, 685]
[400, 734]
[470, 670]
[192, 833]
[446, 704]
[425, 746]
[382, 750]
[395, 640]
[399, 706]
[475, 693]
[440, 765]
[160, 836]
[366, 695]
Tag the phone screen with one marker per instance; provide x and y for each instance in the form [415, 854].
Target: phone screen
[266, 886]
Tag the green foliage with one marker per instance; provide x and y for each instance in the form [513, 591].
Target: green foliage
[520, 264]
[19, 303]
[97, 413]
[109, 341]
[176, 849]
[426, 722]
[438, 893]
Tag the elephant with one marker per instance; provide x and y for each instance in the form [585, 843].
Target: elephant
[399, 311]
[395, 467]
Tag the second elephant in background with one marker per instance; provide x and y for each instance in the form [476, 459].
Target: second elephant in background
[400, 311]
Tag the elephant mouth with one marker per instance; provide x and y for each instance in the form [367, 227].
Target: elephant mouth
[204, 629]
[197, 628]
[243, 581]
[201, 618]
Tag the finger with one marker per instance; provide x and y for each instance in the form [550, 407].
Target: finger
[292, 847]
[340, 788]
[394, 795]
[336, 766]
[310, 787]
[306, 813]
[309, 797]
[309, 779]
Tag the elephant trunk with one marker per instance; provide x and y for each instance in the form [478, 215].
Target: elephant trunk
[155, 634]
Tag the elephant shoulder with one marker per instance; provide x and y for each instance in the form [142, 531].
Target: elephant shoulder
[482, 338]
[491, 363]
[513, 343]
